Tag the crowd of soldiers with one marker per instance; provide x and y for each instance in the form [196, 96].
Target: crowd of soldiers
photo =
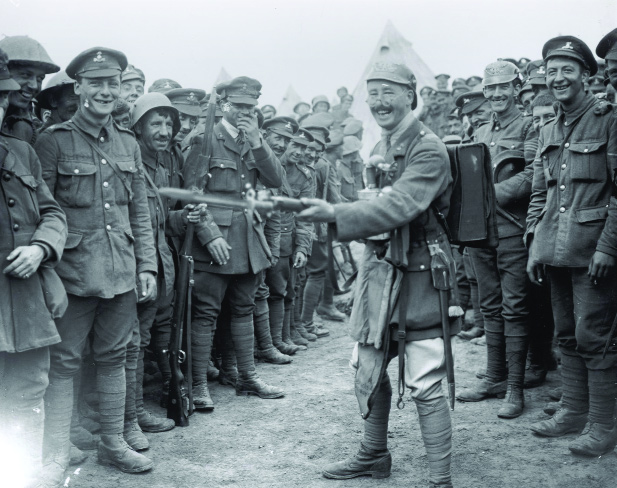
[90, 246]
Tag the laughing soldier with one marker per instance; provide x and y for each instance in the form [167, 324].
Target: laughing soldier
[419, 175]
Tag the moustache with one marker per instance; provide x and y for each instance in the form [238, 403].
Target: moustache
[381, 106]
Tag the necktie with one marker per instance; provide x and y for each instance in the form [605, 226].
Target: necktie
[240, 139]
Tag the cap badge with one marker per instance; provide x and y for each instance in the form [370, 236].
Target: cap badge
[568, 45]
[466, 101]
[191, 97]
[391, 68]
[541, 70]
[167, 85]
[288, 125]
[302, 136]
[99, 57]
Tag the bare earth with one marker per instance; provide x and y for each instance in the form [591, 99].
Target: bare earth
[249, 442]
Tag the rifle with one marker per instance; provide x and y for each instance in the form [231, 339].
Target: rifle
[178, 404]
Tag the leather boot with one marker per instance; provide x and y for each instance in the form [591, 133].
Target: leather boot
[148, 422]
[551, 408]
[134, 437]
[248, 382]
[516, 353]
[329, 312]
[482, 390]
[600, 434]
[201, 397]
[436, 428]
[202, 335]
[300, 329]
[573, 415]
[366, 462]
[265, 349]
[277, 319]
[114, 451]
[472, 333]
[287, 332]
[317, 329]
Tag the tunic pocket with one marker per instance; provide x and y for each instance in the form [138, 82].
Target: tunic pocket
[124, 194]
[75, 185]
[223, 175]
[588, 161]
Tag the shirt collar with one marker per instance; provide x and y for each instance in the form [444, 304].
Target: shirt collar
[395, 133]
[505, 120]
[577, 112]
[81, 121]
[233, 132]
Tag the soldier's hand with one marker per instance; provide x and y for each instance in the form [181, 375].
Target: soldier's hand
[219, 250]
[299, 260]
[147, 285]
[318, 211]
[273, 261]
[248, 125]
[194, 213]
[600, 266]
[25, 260]
[535, 270]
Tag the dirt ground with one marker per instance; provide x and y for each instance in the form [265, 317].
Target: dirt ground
[249, 442]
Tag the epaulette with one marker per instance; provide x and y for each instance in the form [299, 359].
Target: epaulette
[122, 129]
[603, 107]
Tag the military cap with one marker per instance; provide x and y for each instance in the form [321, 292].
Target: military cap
[451, 139]
[443, 92]
[301, 103]
[97, 62]
[151, 101]
[522, 63]
[283, 126]
[321, 119]
[397, 73]
[240, 90]
[469, 102]
[507, 164]
[351, 144]
[607, 47]
[473, 81]
[525, 88]
[314, 124]
[23, 49]
[320, 98]
[336, 139]
[536, 72]
[442, 77]
[500, 72]
[425, 89]
[271, 109]
[454, 114]
[347, 120]
[570, 47]
[163, 85]
[456, 90]
[186, 100]
[458, 82]
[352, 128]
[54, 86]
[6, 82]
[132, 73]
[303, 137]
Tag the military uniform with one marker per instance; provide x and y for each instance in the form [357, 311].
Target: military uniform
[109, 243]
[233, 165]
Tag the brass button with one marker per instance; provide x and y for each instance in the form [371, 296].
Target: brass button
[563, 166]
[243, 193]
[512, 146]
[492, 143]
[6, 177]
[222, 165]
[103, 161]
[105, 184]
[566, 123]
[76, 171]
[562, 209]
[567, 144]
[15, 226]
[108, 227]
[242, 176]
[586, 150]
[562, 187]
[422, 267]
[497, 128]
[102, 139]
[422, 133]
[107, 206]
[11, 202]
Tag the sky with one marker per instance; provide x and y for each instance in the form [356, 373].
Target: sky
[316, 46]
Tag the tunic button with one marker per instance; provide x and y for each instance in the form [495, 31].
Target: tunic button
[242, 176]
[108, 227]
[422, 266]
[562, 187]
[11, 202]
[76, 171]
[15, 226]
[562, 209]
[567, 144]
[243, 193]
[284, 228]
[222, 165]
[103, 161]
[496, 128]
[563, 166]
[6, 177]
[422, 133]
[586, 150]
[512, 146]
[492, 143]
[105, 184]
[107, 206]
[566, 123]
[245, 211]
[102, 139]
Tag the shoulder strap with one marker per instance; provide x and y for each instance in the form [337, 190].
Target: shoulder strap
[104, 155]
[155, 188]
[325, 188]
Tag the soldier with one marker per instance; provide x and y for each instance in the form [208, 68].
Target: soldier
[345, 167]
[455, 124]
[422, 181]
[607, 50]
[230, 255]
[320, 104]
[59, 97]
[442, 82]
[503, 286]
[542, 111]
[33, 229]
[476, 108]
[473, 81]
[341, 112]
[163, 85]
[536, 73]
[571, 238]
[133, 82]
[122, 113]
[93, 168]
[301, 109]
[186, 101]
[268, 112]
[28, 65]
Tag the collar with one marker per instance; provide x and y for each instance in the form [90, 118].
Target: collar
[570, 116]
[88, 126]
[395, 134]
[233, 132]
[506, 119]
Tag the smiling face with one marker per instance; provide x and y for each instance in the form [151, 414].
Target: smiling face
[481, 115]
[310, 154]
[277, 143]
[155, 129]
[566, 80]
[233, 112]
[611, 68]
[501, 96]
[65, 103]
[30, 79]
[187, 124]
[389, 102]
[97, 96]
[295, 153]
[542, 115]
[132, 90]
